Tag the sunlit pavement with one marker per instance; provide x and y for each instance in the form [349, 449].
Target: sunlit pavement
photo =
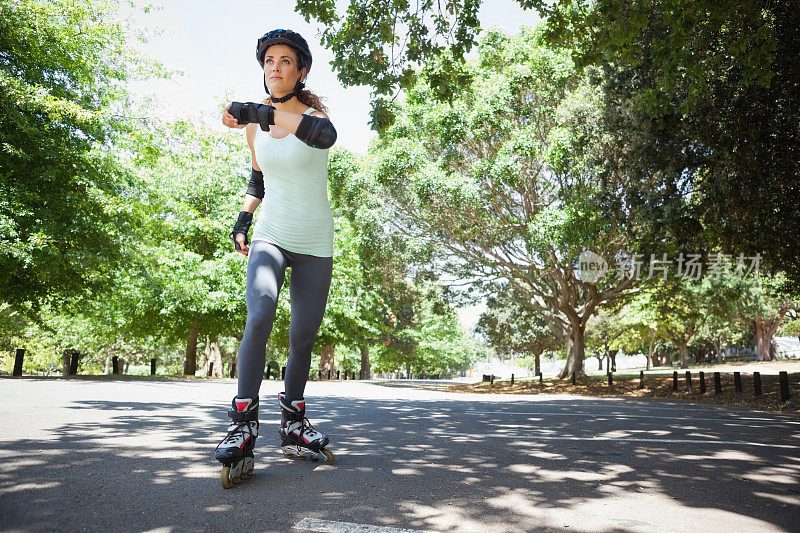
[137, 456]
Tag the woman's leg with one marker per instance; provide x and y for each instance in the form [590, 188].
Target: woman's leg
[308, 289]
[266, 268]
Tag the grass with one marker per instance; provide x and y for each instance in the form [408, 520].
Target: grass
[656, 386]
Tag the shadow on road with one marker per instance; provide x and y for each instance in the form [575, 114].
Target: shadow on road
[461, 465]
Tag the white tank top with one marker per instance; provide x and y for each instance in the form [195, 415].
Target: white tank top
[295, 213]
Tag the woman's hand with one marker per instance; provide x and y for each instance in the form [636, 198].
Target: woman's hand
[230, 121]
[244, 248]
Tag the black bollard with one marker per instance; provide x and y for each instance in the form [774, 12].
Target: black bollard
[641, 379]
[319, 374]
[267, 371]
[283, 372]
[688, 381]
[329, 374]
[491, 381]
[610, 379]
[702, 382]
[573, 378]
[210, 369]
[737, 381]
[19, 356]
[512, 379]
[756, 383]
[345, 375]
[233, 370]
[115, 365]
[541, 378]
[783, 380]
[675, 380]
[717, 383]
[337, 374]
[153, 366]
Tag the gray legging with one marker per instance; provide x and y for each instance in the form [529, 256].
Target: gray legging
[308, 293]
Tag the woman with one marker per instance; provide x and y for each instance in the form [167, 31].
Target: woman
[289, 136]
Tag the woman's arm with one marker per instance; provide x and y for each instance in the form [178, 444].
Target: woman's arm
[253, 196]
[316, 129]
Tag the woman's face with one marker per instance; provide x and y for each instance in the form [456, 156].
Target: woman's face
[280, 69]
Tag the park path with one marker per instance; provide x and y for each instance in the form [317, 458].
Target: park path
[127, 455]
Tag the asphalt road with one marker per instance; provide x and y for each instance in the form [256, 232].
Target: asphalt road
[88, 455]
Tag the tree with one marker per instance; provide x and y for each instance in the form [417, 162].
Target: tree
[603, 334]
[187, 282]
[379, 44]
[62, 65]
[499, 183]
[714, 85]
[513, 326]
[758, 301]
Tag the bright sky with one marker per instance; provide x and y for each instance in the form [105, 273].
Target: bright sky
[212, 44]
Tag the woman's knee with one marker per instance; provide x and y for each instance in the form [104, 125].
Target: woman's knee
[261, 314]
[302, 341]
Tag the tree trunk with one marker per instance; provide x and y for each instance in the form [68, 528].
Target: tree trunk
[599, 362]
[537, 363]
[612, 354]
[763, 340]
[575, 353]
[191, 350]
[213, 358]
[365, 363]
[408, 369]
[684, 351]
[326, 362]
[649, 354]
[65, 361]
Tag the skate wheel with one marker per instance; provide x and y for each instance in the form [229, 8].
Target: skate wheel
[223, 477]
[288, 455]
[249, 472]
[329, 456]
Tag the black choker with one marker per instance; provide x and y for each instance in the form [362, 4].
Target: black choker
[283, 98]
[297, 88]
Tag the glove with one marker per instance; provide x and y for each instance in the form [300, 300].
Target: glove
[248, 112]
[242, 226]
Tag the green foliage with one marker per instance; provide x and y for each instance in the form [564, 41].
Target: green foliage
[380, 44]
[184, 270]
[702, 103]
[501, 181]
[513, 327]
[62, 65]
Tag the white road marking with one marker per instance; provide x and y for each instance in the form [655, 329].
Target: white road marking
[614, 439]
[622, 415]
[330, 526]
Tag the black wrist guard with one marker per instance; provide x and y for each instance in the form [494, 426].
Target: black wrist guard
[242, 226]
[317, 132]
[256, 185]
[250, 113]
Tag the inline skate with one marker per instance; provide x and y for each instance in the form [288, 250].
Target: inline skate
[298, 437]
[235, 452]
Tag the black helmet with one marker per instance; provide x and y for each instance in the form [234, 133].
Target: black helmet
[287, 37]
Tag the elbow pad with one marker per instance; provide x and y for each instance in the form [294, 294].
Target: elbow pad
[256, 185]
[316, 132]
[250, 113]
